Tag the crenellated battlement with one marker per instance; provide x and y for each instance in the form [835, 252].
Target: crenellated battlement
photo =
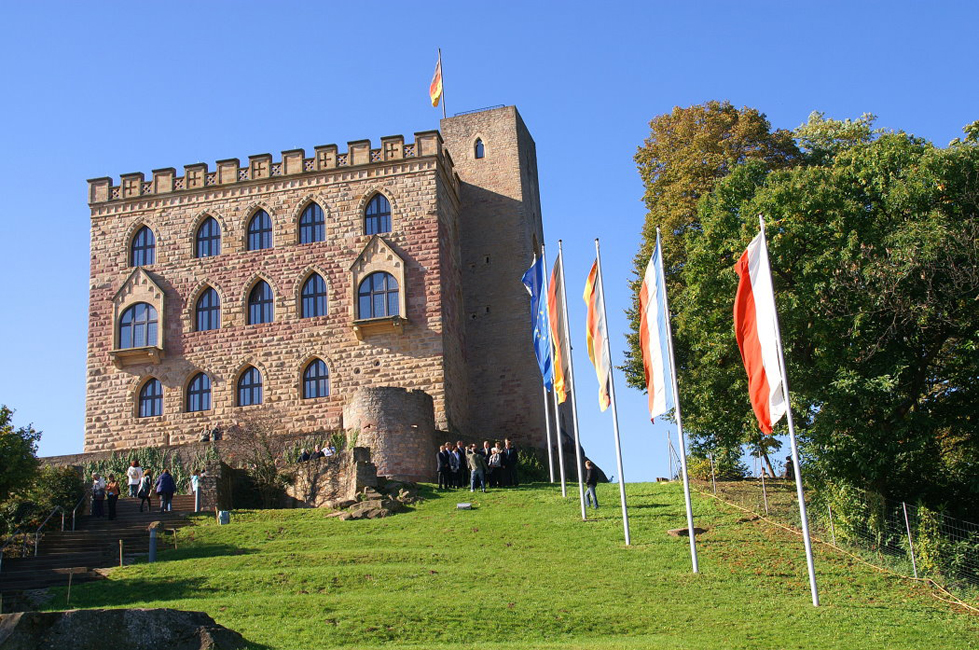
[261, 166]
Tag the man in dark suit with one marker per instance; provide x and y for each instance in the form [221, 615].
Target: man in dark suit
[510, 463]
[460, 451]
[442, 467]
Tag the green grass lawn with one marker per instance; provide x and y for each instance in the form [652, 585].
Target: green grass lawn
[523, 571]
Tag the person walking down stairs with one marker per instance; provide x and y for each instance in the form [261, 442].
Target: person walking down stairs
[165, 487]
[112, 495]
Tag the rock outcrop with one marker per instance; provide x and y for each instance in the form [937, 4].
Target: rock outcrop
[132, 629]
[391, 497]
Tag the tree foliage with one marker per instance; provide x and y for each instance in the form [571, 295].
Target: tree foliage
[873, 245]
[688, 151]
[18, 454]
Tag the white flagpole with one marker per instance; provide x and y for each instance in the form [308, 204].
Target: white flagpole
[679, 424]
[557, 412]
[571, 388]
[795, 451]
[547, 432]
[611, 388]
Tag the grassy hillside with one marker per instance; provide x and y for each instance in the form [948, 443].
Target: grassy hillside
[522, 571]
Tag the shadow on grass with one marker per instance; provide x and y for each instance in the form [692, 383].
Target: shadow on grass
[195, 551]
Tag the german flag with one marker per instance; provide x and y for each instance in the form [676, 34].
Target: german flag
[435, 89]
[562, 351]
[597, 334]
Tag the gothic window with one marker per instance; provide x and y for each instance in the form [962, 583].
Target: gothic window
[314, 297]
[479, 149]
[208, 311]
[377, 216]
[260, 307]
[378, 296]
[143, 251]
[312, 225]
[316, 380]
[250, 387]
[151, 399]
[199, 393]
[208, 240]
[138, 326]
[260, 231]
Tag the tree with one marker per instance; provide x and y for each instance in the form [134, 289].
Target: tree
[260, 447]
[687, 153]
[873, 245]
[18, 454]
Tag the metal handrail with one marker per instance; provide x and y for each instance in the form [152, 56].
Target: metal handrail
[37, 533]
[75, 509]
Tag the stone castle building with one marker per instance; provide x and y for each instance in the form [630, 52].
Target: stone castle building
[299, 281]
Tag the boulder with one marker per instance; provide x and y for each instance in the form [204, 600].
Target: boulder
[132, 629]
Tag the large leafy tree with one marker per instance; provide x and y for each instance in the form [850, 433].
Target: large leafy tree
[688, 151]
[873, 244]
[18, 454]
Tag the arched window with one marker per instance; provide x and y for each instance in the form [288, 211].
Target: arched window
[314, 297]
[312, 225]
[316, 380]
[378, 296]
[138, 326]
[208, 311]
[479, 149]
[199, 393]
[260, 304]
[260, 231]
[151, 399]
[208, 239]
[377, 216]
[143, 252]
[250, 387]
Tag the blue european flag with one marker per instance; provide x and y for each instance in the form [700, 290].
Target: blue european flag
[533, 279]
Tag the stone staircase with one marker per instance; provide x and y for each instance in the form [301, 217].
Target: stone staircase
[93, 544]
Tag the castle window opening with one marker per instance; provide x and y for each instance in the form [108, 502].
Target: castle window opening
[260, 304]
[316, 380]
[250, 387]
[313, 297]
[378, 296]
[143, 248]
[479, 149]
[138, 326]
[260, 231]
[312, 225]
[151, 399]
[377, 216]
[208, 311]
[199, 393]
[208, 240]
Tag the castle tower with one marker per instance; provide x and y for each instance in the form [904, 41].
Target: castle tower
[500, 228]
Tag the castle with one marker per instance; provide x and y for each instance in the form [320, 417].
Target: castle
[298, 282]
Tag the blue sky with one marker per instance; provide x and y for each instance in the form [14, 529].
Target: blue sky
[100, 89]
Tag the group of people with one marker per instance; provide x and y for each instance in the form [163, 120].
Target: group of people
[493, 465]
[141, 486]
[326, 451]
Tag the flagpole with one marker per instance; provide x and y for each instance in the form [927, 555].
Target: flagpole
[442, 72]
[611, 388]
[547, 434]
[574, 404]
[679, 422]
[557, 411]
[795, 450]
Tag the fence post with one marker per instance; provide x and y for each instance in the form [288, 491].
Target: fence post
[152, 557]
[907, 524]
[832, 527]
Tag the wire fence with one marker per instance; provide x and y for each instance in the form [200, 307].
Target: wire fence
[905, 538]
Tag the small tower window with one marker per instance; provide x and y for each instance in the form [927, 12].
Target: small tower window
[143, 250]
[260, 231]
[377, 216]
[312, 225]
[480, 150]
[208, 239]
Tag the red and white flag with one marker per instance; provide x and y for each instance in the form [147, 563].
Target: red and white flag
[755, 327]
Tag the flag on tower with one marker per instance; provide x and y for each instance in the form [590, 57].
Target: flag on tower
[654, 336]
[533, 279]
[755, 330]
[562, 350]
[597, 334]
[435, 88]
